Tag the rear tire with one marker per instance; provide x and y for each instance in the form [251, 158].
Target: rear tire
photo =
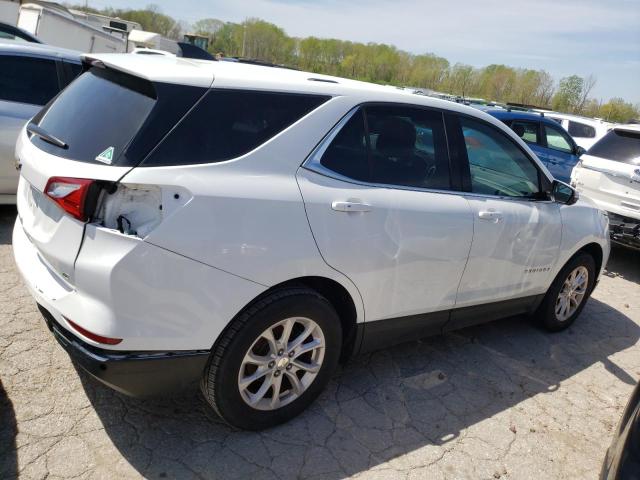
[256, 378]
[568, 293]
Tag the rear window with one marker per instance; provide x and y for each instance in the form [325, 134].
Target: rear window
[227, 124]
[619, 145]
[113, 118]
[581, 130]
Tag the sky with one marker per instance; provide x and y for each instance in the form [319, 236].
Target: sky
[564, 37]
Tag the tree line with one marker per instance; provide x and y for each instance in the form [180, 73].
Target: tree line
[386, 64]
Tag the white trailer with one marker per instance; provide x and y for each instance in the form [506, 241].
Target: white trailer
[142, 39]
[9, 11]
[55, 25]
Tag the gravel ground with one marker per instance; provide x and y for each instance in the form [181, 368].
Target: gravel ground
[503, 400]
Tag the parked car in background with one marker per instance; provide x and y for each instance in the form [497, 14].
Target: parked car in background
[30, 75]
[550, 142]
[622, 461]
[15, 34]
[584, 130]
[245, 227]
[609, 174]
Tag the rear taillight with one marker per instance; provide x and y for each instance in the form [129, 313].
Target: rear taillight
[71, 194]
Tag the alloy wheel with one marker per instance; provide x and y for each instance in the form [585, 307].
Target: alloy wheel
[281, 363]
[572, 293]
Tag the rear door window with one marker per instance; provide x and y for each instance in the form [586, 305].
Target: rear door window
[527, 131]
[28, 79]
[227, 124]
[347, 153]
[581, 130]
[557, 139]
[392, 145]
[408, 147]
[618, 145]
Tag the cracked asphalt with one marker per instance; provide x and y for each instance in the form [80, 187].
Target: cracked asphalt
[503, 400]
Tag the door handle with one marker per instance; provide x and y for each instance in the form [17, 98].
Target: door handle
[350, 206]
[490, 215]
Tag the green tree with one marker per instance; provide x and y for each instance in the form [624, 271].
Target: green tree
[227, 40]
[207, 27]
[428, 71]
[617, 110]
[569, 93]
[382, 63]
[461, 80]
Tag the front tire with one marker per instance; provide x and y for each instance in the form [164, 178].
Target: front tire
[274, 359]
[568, 293]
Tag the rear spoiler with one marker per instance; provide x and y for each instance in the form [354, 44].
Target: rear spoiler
[177, 70]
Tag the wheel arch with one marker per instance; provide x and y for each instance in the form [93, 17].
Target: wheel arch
[595, 250]
[339, 297]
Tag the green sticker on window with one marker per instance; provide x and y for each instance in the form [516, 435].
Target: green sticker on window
[106, 156]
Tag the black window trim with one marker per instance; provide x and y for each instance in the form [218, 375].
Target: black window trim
[544, 182]
[312, 162]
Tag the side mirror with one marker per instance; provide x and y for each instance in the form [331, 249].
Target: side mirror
[563, 193]
[579, 151]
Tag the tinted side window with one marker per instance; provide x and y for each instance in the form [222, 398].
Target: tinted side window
[347, 153]
[619, 145]
[408, 147]
[497, 166]
[581, 130]
[527, 131]
[27, 79]
[557, 139]
[227, 124]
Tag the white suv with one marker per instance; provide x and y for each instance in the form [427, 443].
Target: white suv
[584, 130]
[609, 174]
[248, 227]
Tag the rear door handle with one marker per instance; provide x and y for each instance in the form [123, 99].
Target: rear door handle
[490, 215]
[350, 206]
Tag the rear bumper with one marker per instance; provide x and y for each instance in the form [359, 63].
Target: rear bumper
[624, 231]
[137, 374]
[153, 299]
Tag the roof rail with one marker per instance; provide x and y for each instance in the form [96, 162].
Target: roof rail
[326, 80]
[253, 61]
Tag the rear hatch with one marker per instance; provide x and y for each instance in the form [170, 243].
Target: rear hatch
[610, 172]
[99, 128]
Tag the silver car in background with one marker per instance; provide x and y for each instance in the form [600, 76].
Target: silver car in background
[30, 75]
